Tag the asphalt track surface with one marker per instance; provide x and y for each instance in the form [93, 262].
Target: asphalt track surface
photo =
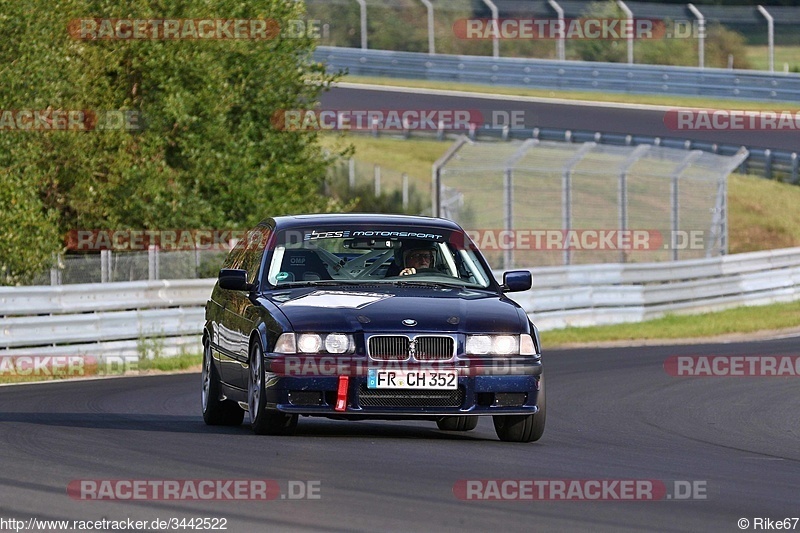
[613, 414]
[566, 115]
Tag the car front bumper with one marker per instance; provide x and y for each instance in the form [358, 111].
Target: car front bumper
[484, 388]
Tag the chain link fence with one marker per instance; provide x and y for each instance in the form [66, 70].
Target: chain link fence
[541, 203]
[110, 266]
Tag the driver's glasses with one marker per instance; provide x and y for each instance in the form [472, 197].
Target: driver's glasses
[420, 256]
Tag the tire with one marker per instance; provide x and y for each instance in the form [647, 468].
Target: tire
[216, 412]
[523, 428]
[457, 423]
[262, 421]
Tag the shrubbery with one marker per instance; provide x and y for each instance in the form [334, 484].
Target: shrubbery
[208, 155]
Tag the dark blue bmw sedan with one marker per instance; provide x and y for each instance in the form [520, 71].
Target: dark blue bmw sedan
[355, 316]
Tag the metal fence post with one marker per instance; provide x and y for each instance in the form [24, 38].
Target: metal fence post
[495, 38]
[675, 199]
[631, 29]
[55, 271]
[363, 4]
[431, 40]
[436, 174]
[770, 36]
[560, 48]
[566, 195]
[405, 191]
[701, 37]
[508, 196]
[105, 266]
[351, 173]
[637, 154]
[377, 179]
[152, 262]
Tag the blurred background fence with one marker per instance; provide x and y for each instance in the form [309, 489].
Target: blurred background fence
[573, 194]
[428, 26]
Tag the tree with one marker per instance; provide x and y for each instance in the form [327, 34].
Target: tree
[207, 154]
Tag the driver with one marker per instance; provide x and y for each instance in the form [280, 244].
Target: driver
[417, 258]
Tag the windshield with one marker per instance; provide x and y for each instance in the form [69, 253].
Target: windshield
[316, 256]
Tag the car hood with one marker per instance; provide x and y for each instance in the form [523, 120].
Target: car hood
[382, 310]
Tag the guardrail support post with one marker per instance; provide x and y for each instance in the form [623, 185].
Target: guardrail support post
[768, 164]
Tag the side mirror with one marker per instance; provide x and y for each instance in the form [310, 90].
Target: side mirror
[234, 279]
[516, 281]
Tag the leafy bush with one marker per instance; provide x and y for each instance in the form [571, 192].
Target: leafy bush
[208, 155]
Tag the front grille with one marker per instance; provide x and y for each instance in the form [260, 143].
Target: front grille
[399, 348]
[433, 348]
[389, 348]
[409, 398]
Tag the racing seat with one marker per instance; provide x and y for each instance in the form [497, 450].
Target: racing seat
[304, 265]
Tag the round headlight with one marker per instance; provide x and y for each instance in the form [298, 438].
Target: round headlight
[479, 344]
[505, 345]
[337, 343]
[309, 343]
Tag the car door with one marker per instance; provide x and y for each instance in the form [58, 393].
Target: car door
[243, 312]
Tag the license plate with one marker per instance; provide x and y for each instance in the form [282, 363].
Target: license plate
[412, 379]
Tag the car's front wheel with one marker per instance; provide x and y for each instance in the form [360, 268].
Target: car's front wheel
[216, 412]
[523, 428]
[457, 423]
[262, 421]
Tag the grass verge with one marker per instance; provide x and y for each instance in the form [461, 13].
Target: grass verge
[740, 320]
[21, 370]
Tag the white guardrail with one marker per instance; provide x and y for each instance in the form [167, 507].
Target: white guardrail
[127, 318]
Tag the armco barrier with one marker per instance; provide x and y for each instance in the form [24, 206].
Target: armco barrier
[127, 318]
[569, 75]
[117, 318]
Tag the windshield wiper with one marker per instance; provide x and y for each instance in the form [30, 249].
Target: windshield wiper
[420, 283]
[317, 283]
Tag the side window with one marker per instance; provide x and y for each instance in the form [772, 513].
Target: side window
[235, 257]
[255, 243]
